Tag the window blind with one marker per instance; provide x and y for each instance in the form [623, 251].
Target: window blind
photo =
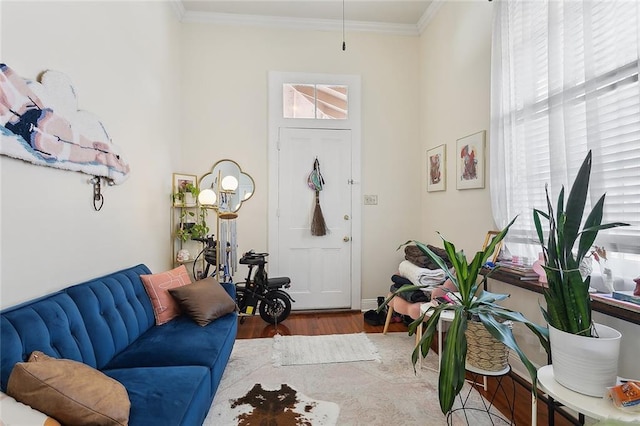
[565, 81]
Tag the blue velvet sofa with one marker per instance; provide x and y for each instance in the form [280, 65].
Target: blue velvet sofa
[171, 372]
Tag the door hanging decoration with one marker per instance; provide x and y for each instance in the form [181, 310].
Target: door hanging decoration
[316, 182]
[40, 123]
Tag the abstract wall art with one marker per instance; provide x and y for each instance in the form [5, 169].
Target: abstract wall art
[437, 169]
[470, 161]
[40, 123]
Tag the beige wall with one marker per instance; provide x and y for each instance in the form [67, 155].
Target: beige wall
[122, 58]
[454, 94]
[225, 116]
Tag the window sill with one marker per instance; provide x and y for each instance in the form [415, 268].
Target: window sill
[599, 302]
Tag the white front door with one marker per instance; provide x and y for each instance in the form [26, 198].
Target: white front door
[319, 266]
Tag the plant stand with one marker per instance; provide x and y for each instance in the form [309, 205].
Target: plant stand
[476, 373]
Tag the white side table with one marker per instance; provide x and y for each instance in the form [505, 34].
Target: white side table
[597, 408]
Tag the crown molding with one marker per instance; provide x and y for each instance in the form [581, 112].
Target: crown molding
[178, 8]
[429, 14]
[298, 23]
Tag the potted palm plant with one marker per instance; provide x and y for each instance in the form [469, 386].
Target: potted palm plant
[568, 305]
[470, 301]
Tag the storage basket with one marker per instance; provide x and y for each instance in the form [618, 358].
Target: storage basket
[483, 350]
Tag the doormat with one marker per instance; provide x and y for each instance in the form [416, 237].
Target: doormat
[328, 349]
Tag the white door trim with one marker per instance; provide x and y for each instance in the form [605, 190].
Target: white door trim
[353, 123]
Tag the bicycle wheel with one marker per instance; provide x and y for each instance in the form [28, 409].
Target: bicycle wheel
[275, 307]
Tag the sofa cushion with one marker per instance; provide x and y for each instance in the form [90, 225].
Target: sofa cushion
[52, 324]
[204, 301]
[178, 342]
[115, 309]
[183, 342]
[69, 391]
[165, 307]
[166, 395]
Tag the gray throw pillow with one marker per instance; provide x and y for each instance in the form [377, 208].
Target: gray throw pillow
[204, 300]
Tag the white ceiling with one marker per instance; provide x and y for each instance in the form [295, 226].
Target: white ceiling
[378, 15]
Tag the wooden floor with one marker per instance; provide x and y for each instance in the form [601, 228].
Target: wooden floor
[345, 322]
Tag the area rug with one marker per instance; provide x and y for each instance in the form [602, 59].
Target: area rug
[275, 407]
[380, 392]
[304, 350]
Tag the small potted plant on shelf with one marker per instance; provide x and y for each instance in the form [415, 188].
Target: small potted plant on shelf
[471, 301]
[568, 304]
[186, 196]
[189, 227]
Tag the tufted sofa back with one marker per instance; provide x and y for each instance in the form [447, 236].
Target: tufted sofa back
[89, 322]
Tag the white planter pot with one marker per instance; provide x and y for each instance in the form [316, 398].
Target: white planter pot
[189, 199]
[587, 365]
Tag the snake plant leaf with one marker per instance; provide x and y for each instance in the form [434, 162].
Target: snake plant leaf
[567, 294]
[576, 202]
[591, 228]
[592, 225]
[536, 220]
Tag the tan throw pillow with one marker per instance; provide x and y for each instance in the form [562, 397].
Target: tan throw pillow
[69, 391]
[204, 300]
[165, 307]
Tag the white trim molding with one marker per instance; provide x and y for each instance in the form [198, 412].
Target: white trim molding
[429, 14]
[299, 23]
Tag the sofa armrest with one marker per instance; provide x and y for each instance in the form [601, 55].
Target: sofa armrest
[230, 288]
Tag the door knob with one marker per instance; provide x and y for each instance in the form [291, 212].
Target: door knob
[346, 239]
[346, 217]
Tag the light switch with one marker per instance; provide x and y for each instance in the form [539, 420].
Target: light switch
[370, 200]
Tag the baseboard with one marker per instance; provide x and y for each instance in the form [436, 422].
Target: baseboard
[367, 304]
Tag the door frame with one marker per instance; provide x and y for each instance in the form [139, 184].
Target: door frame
[353, 123]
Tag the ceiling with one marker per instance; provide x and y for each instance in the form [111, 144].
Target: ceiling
[380, 15]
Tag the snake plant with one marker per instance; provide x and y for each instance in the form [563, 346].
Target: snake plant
[471, 300]
[567, 297]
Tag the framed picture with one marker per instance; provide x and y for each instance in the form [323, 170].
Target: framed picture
[470, 161]
[180, 182]
[437, 169]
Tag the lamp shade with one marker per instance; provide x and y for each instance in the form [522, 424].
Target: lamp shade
[207, 197]
[229, 183]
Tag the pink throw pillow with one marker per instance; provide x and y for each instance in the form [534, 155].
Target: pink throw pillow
[165, 308]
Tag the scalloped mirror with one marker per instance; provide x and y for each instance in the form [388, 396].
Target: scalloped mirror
[230, 184]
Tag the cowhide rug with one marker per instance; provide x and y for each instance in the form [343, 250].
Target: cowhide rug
[275, 407]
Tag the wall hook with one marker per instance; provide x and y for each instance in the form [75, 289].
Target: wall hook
[98, 199]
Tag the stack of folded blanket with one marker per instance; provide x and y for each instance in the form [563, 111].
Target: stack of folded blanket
[414, 255]
[423, 277]
[419, 270]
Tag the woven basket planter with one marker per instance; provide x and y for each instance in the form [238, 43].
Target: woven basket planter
[483, 350]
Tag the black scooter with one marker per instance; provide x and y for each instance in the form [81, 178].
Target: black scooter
[259, 292]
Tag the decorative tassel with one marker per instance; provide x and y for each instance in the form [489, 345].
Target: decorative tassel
[318, 225]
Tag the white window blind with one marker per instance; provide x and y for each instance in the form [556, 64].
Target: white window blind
[565, 81]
